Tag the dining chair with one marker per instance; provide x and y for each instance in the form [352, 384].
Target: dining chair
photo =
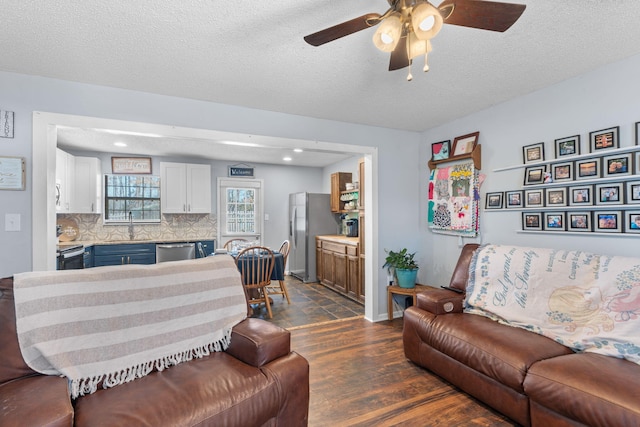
[280, 288]
[229, 244]
[255, 264]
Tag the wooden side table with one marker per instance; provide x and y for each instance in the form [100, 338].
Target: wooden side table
[397, 290]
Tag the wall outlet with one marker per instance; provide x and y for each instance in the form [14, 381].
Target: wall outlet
[12, 222]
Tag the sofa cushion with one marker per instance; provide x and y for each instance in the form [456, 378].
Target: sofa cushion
[501, 352]
[11, 363]
[593, 389]
[215, 390]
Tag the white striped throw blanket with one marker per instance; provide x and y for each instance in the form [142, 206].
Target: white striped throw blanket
[111, 325]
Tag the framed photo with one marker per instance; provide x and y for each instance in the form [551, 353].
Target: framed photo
[637, 163]
[534, 175]
[633, 192]
[440, 150]
[617, 165]
[562, 171]
[531, 221]
[637, 133]
[513, 199]
[556, 197]
[608, 221]
[554, 221]
[533, 198]
[632, 222]
[609, 194]
[579, 221]
[533, 153]
[587, 169]
[131, 165]
[568, 146]
[494, 200]
[465, 144]
[604, 139]
[581, 195]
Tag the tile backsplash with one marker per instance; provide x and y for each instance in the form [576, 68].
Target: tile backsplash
[171, 227]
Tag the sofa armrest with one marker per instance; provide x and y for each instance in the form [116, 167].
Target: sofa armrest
[258, 342]
[440, 301]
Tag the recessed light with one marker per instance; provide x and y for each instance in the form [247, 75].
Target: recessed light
[242, 144]
[119, 144]
[287, 159]
[297, 150]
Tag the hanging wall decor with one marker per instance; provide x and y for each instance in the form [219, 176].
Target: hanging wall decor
[6, 124]
[453, 200]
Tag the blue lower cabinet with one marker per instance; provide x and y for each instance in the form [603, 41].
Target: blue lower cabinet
[88, 256]
[208, 246]
[128, 253]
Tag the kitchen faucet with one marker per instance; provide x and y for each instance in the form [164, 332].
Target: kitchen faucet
[131, 235]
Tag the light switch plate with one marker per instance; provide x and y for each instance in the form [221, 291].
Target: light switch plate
[11, 222]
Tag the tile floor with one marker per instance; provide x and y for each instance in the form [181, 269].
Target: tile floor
[311, 303]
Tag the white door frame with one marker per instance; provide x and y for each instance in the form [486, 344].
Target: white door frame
[258, 184]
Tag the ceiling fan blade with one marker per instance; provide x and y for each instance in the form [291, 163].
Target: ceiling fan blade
[485, 15]
[344, 29]
[399, 56]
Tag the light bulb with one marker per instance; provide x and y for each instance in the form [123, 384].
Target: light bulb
[426, 21]
[388, 33]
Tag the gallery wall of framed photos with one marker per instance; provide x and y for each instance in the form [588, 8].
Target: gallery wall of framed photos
[574, 192]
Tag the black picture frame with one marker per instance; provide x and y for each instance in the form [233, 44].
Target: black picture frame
[440, 150]
[534, 175]
[610, 193]
[607, 221]
[580, 195]
[587, 169]
[494, 200]
[632, 193]
[579, 221]
[532, 221]
[637, 133]
[533, 153]
[562, 171]
[604, 139]
[534, 198]
[556, 197]
[567, 146]
[617, 165]
[554, 221]
[513, 199]
[632, 222]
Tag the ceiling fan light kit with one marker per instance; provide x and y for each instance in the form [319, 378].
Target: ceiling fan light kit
[407, 27]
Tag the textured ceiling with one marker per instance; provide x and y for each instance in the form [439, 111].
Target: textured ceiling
[251, 53]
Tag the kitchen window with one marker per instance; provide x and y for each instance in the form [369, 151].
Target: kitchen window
[137, 195]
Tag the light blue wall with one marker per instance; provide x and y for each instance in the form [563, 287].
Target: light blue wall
[606, 97]
[396, 171]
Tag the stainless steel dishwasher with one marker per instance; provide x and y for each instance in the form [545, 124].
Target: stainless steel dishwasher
[175, 251]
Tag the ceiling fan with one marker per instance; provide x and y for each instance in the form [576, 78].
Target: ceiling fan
[407, 27]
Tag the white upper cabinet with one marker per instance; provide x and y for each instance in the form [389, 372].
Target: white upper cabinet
[88, 186]
[65, 181]
[185, 188]
[78, 183]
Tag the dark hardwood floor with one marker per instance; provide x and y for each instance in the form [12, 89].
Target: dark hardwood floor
[360, 377]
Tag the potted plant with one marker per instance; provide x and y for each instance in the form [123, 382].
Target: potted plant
[402, 265]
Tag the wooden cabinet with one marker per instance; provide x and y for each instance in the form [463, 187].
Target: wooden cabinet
[88, 186]
[338, 263]
[185, 188]
[338, 184]
[361, 182]
[126, 253]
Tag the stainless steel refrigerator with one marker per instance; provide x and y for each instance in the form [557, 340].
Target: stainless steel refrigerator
[309, 216]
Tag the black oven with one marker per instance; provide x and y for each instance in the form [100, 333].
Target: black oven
[71, 258]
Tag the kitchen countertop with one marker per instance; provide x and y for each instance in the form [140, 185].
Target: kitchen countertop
[339, 238]
[124, 242]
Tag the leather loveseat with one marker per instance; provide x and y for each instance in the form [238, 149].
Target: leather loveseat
[257, 381]
[530, 378]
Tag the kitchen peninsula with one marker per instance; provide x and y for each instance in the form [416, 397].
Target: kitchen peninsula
[339, 265]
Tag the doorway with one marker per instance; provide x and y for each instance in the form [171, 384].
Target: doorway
[240, 210]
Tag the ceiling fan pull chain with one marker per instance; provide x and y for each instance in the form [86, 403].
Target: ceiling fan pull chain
[426, 65]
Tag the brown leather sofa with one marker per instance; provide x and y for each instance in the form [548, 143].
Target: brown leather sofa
[528, 377]
[257, 381]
